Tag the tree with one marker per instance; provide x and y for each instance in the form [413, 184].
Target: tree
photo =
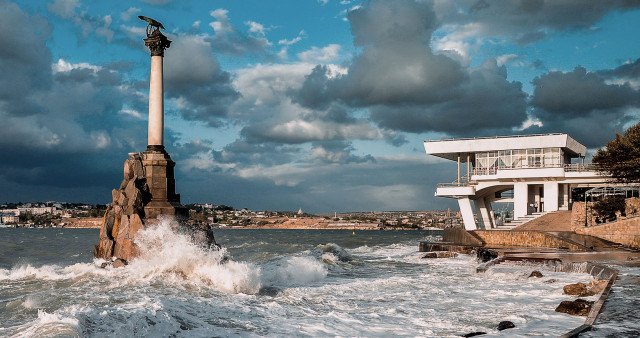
[609, 206]
[620, 158]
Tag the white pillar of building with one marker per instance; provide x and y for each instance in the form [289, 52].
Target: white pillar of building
[484, 218]
[156, 103]
[520, 199]
[467, 213]
[550, 196]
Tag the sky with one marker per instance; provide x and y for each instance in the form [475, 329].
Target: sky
[319, 105]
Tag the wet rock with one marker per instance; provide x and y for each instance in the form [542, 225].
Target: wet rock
[473, 334]
[552, 280]
[443, 254]
[578, 307]
[486, 255]
[447, 254]
[104, 265]
[503, 325]
[582, 290]
[271, 291]
[118, 263]
[575, 289]
[536, 273]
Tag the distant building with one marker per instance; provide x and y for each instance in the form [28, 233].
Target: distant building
[537, 168]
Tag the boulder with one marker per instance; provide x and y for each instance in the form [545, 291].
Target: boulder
[575, 289]
[447, 254]
[536, 274]
[552, 280]
[578, 307]
[430, 255]
[486, 255]
[118, 263]
[473, 334]
[503, 325]
[582, 290]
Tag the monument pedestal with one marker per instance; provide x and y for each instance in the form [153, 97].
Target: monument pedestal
[162, 184]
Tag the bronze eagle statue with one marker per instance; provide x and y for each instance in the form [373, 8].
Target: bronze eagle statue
[151, 22]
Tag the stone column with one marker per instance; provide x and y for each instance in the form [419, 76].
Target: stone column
[158, 166]
[156, 103]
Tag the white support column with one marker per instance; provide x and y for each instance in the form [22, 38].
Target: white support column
[484, 218]
[458, 168]
[520, 199]
[467, 213]
[156, 103]
[550, 196]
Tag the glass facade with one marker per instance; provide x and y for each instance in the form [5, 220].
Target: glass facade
[488, 162]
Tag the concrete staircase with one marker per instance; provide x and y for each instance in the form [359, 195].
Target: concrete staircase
[520, 221]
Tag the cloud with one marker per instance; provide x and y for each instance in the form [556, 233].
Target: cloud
[407, 87]
[157, 2]
[24, 60]
[129, 13]
[592, 106]
[67, 9]
[320, 55]
[228, 40]
[522, 22]
[195, 82]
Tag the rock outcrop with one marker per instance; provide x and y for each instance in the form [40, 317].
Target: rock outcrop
[125, 215]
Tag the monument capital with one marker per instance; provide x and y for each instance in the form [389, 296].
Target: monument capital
[156, 41]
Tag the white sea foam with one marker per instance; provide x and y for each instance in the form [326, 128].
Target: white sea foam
[173, 256]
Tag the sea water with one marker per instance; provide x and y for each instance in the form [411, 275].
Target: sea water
[268, 283]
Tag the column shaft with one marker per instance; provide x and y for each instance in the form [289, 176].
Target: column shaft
[156, 103]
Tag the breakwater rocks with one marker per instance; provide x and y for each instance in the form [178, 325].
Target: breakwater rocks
[126, 216]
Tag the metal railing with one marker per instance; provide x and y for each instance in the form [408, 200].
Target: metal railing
[573, 167]
[580, 167]
[463, 182]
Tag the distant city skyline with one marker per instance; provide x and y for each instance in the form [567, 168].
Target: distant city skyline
[286, 104]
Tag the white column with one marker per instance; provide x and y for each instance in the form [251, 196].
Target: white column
[550, 196]
[156, 103]
[467, 213]
[484, 218]
[520, 198]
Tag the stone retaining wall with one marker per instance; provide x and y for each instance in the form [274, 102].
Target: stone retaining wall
[506, 238]
[625, 231]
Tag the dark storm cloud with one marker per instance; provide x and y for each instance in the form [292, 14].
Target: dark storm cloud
[75, 133]
[579, 92]
[409, 88]
[24, 59]
[486, 101]
[193, 77]
[591, 106]
[529, 20]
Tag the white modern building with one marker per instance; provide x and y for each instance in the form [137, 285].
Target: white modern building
[537, 168]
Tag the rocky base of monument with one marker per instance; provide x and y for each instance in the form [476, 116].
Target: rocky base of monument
[126, 216]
